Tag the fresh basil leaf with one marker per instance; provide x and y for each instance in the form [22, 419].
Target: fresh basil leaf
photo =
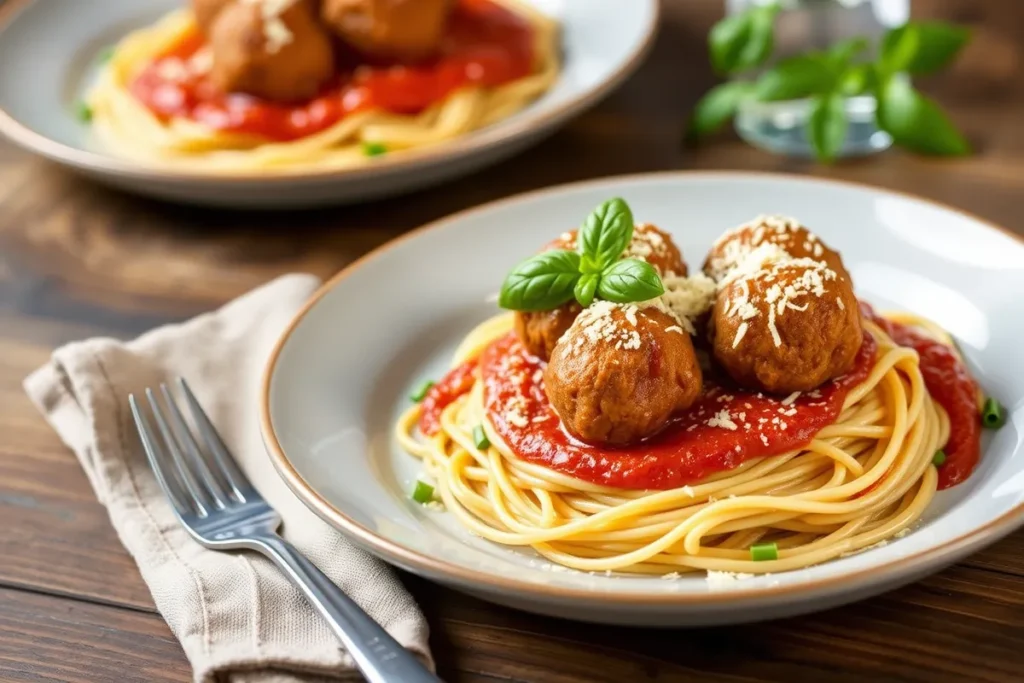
[742, 41]
[899, 48]
[585, 289]
[938, 43]
[842, 53]
[761, 40]
[716, 107]
[629, 280]
[541, 282]
[794, 78]
[826, 127]
[857, 80]
[917, 122]
[726, 40]
[606, 232]
[589, 265]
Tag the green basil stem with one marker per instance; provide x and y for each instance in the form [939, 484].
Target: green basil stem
[420, 392]
[763, 552]
[423, 493]
[993, 415]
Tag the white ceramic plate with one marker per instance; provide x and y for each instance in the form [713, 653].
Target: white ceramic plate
[47, 47]
[342, 372]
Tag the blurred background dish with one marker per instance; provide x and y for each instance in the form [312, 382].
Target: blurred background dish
[60, 47]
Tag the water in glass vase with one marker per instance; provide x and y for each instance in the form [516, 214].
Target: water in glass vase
[804, 25]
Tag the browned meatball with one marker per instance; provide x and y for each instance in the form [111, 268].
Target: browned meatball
[206, 11]
[540, 331]
[620, 372]
[788, 327]
[787, 234]
[281, 57]
[399, 29]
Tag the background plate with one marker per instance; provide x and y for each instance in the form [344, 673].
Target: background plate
[48, 51]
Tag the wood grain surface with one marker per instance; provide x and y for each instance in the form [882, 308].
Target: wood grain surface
[78, 260]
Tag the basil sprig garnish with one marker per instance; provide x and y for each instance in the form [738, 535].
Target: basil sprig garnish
[629, 280]
[542, 282]
[597, 269]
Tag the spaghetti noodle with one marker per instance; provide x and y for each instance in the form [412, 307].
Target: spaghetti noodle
[130, 128]
[864, 479]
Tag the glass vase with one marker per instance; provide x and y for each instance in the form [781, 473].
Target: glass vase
[804, 25]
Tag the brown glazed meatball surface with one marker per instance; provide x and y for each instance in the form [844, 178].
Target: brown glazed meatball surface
[540, 331]
[402, 29]
[249, 57]
[206, 11]
[786, 233]
[620, 372]
[812, 345]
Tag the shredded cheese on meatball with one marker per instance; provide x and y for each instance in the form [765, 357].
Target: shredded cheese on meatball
[777, 298]
[276, 33]
[597, 323]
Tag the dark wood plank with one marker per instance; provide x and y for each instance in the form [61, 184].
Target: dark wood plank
[46, 638]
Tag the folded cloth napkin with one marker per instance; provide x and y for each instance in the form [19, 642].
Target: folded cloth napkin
[237, 617]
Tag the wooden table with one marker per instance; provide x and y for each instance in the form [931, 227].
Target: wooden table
[77, 260]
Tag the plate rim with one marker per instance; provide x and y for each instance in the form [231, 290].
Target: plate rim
[483, 139]
[889, 572]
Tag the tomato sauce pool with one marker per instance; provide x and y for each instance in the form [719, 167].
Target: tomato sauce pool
[952, 386]
[484, 45]
[721, 430]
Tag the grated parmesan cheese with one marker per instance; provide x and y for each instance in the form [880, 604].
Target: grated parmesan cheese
[275, 33]
[718, 579]
[722, 419]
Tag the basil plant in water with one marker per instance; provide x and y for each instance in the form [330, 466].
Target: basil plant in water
[741, 43]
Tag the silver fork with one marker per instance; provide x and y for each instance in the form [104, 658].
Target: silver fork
[218, 506]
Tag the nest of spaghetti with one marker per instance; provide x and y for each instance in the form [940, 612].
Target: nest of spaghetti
[755, 417]
[299, 85]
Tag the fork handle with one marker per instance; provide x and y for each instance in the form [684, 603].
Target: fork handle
[380, 658]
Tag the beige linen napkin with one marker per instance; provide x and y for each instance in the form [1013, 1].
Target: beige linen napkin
[236, 616]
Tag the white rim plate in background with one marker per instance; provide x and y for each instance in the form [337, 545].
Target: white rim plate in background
[48, 50]
[342, 371]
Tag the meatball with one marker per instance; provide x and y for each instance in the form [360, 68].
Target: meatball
[657, 248]
[396, 29]
[785, 233]
[206, 11]
[788, 327]
[540, 330]
[283, 57]
[620, 372]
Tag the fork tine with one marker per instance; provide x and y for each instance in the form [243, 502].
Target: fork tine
[199, 496]
[234, 476]
[170, 485]
[196, 456]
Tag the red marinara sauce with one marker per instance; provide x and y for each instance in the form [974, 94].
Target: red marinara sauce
[951, 385]
[724, 428]
[484, 45]
[457, 382]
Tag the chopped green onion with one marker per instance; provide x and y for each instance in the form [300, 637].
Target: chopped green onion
[993, 415]
[764, 551]
[420, 392]
[480, 437]
[374, 149]
[83, 111]
[939, 458]
[423, 493]
[105, 54]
